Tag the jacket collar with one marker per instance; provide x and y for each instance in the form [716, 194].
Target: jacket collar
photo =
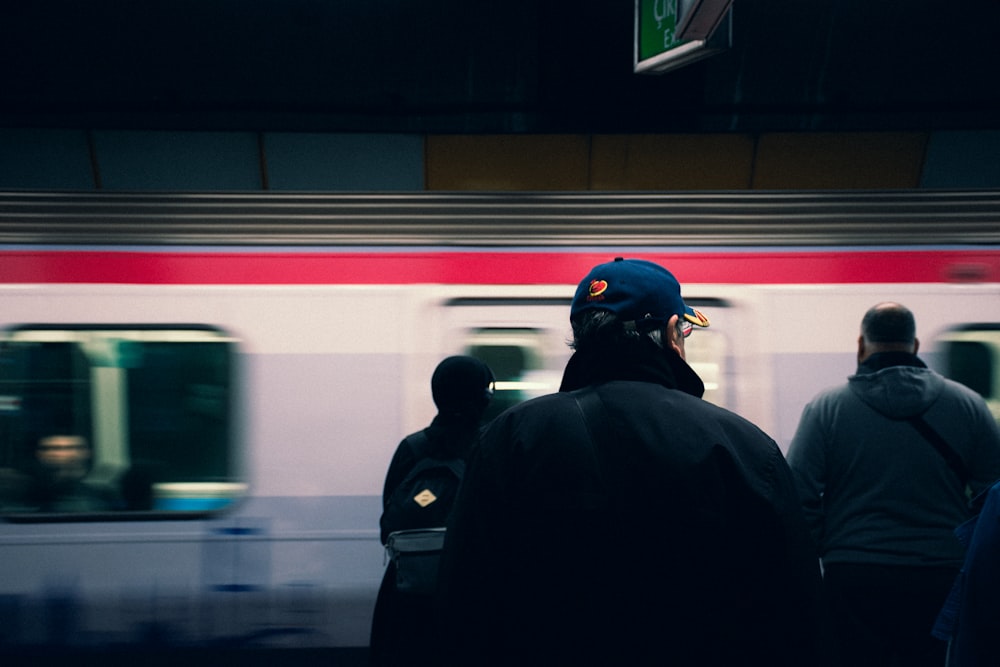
[881, 360]
[646, 362]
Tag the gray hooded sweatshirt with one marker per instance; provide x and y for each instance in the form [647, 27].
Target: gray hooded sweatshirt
[874, 490]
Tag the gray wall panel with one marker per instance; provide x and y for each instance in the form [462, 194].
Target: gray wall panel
[337, 162]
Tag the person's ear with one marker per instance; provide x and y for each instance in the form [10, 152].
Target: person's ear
[916, 345]
[674, 337]
[861, 349]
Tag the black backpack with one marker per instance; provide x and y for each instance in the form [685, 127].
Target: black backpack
[425, 496]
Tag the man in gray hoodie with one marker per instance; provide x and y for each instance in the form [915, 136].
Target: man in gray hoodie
[884, 466]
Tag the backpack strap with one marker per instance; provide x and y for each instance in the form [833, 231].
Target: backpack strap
[420, 444]
[941, 445]
[931, 435]
[595, 416]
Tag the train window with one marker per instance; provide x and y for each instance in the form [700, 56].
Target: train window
[518, 360]
[971, 363]
[523, 369]
[106, 422]
[972, 357]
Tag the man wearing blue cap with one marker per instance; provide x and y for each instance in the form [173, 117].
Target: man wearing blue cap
[624, 520]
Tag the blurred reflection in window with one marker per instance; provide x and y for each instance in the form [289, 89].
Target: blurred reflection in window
[116, 420]
[972, 357]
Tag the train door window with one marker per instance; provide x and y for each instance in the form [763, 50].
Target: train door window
[525, 342]
[522, 337]
[972, 357]
[107, 421]
[516, 356]
[517, 359]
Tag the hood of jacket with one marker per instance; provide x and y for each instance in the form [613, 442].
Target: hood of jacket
[896, 384]
[647, 362]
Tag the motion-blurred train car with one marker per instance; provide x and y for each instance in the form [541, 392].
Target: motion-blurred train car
[214, 384]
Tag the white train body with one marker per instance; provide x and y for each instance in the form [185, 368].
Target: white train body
[333, 349]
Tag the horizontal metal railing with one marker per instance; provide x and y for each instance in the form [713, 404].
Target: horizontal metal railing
[912, 217]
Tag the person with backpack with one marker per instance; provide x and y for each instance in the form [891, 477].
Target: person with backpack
[420, 487]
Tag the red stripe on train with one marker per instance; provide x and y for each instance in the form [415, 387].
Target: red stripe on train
[370, 267]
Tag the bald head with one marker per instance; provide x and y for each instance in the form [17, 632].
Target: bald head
[887, 327]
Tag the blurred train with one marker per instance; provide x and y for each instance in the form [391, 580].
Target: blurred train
[237, 371]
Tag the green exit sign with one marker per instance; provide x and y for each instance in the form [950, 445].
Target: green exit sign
[660, 30]
[656, 27]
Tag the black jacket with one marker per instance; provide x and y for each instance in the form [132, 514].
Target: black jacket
[403, 631]
[686, 547]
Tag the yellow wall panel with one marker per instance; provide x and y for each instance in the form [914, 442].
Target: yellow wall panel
[507, 162]
[671, 162]
[860, 160]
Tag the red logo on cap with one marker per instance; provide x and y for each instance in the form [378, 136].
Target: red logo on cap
[597, 288]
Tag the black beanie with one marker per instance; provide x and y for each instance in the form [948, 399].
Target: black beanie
[461, 383]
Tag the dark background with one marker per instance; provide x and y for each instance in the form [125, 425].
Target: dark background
[467, 66]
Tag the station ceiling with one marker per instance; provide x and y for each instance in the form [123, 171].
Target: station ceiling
[521, 66]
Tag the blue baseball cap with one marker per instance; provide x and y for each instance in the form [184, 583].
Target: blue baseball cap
[636, 291]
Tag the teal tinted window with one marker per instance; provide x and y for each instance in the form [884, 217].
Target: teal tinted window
[972, 364]
[972, 357]
[109, 420]
[516, 356]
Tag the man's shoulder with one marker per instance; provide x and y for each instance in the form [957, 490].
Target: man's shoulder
[539, 407]
[832, 394]
[965, 400]
[936, 384]
[555, 401]
[714, 423]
